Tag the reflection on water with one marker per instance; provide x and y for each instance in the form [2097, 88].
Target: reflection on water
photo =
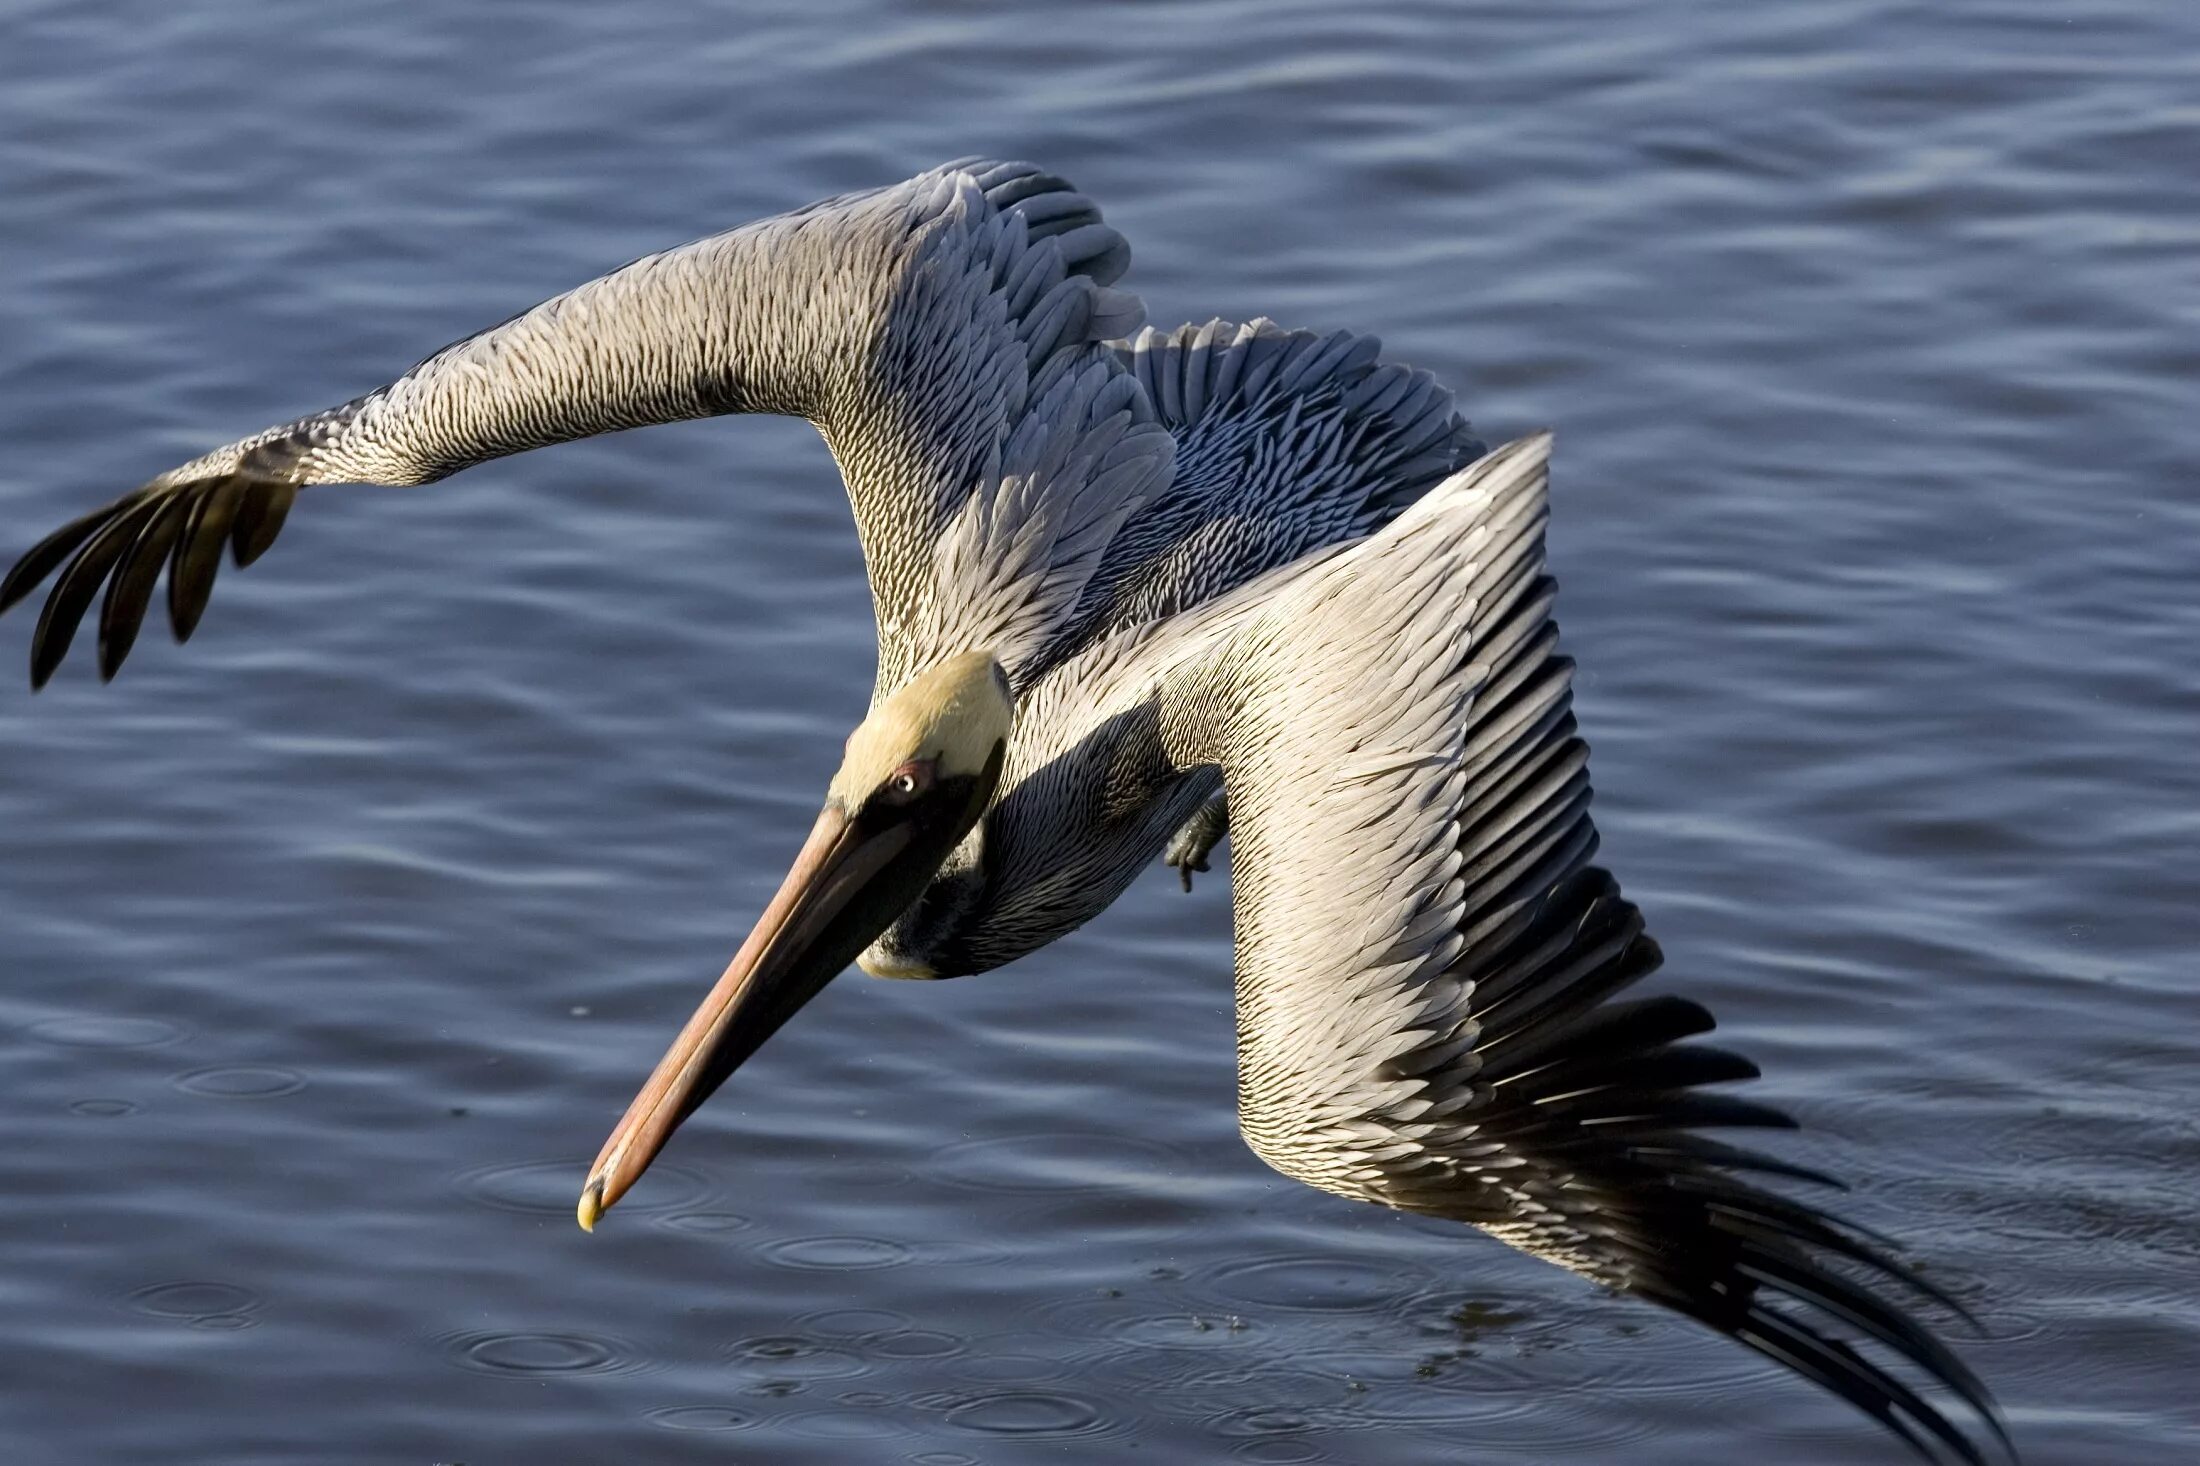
[335, 941]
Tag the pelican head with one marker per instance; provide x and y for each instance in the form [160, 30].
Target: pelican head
[918, 774]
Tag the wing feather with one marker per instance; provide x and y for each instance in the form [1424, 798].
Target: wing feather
[1429, 964]
[943, 333]
[1286, 441]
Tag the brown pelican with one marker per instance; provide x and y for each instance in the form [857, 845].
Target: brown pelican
[1133, 591]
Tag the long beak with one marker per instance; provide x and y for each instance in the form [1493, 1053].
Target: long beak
[794, 951]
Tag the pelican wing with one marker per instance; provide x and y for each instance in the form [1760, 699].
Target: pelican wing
[944, 335]
[1287, 441]
[1427, 960]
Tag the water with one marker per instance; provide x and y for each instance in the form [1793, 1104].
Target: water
[336, 942]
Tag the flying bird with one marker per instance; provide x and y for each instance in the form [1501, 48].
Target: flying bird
[1136, 591]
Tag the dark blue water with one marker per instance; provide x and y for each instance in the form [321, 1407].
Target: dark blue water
[331, 946]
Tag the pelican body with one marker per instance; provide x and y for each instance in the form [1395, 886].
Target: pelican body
[1134, 590]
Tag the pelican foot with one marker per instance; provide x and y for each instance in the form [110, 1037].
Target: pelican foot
[1190, 845]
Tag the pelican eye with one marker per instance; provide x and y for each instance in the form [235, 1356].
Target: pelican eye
[908, 781]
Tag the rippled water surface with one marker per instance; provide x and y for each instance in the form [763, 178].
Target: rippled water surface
[333, 943]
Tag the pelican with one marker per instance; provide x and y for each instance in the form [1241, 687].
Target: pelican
[1136, 590]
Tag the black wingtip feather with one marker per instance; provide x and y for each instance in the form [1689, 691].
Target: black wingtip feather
[130, 589]
[72, 594]
[1674, 1151]
[41, 559]
[1599, 1105]
[259, 519]
[1858, 1381]
[198, 555]
[123, 546]
[1863, 1311]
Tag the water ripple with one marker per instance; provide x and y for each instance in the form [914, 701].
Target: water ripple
[843, 1425]
[787, 1357]
[197, 1302]
[526, 1354]
[1342, 1282]
[913, 1344]
[1035, 1414]
[105, 1031]
[1182, 1331]
[838, 1254]
[701, 1417]
[705, 1223]
[1276, 1451]
[240, 1082]
[549, 1188]
[852, 1323]
[1063, 1161]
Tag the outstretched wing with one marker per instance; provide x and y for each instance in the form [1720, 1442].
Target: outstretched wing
[1427, 959]
[942, 333]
